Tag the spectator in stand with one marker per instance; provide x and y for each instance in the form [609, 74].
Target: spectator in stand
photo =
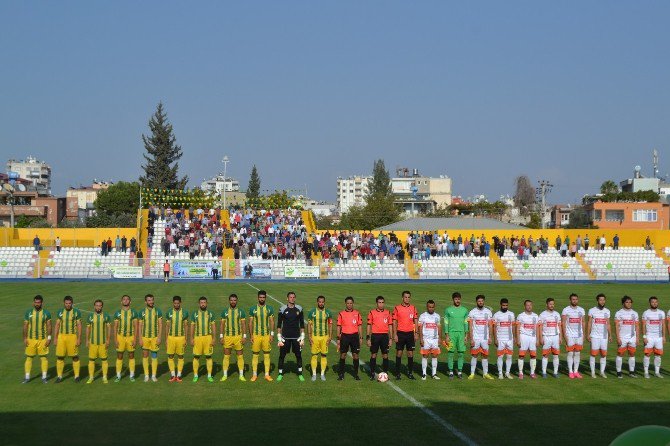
[124, 244]
[58, 243]
[36, 243]
[140, 258]
[109, 244]
[603, 242]
[615, 242]
[133, 244]
[586, 242]
[117, 243]
[103, 248]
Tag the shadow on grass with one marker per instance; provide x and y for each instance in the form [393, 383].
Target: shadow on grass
[547, 424]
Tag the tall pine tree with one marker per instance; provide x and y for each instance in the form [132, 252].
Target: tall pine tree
[254, 188]
[380, 208]
[163, 154]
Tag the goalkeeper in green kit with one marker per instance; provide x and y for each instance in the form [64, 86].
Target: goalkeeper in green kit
[456, 333]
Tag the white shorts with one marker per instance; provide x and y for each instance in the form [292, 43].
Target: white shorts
[479, 346]
[430, 344]
[654, 345]
[527, 343]
[598, 344]
[574, 343]
[551, 345]
[627, 344]
[505, 347]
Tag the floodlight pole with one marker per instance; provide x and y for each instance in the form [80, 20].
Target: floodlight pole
[225, 167]
[543, 190]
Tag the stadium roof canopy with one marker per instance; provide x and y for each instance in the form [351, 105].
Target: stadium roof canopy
[442, 223]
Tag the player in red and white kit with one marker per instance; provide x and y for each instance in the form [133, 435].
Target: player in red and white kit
[627, 327]
[503, 336]
[526, 337]
[599, 334]
[479, 319]
[653, 336]
[573, 318]
[430, 333]
[550, 336]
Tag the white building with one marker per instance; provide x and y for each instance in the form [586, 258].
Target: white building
[34, 170]
[415, 193]
[218, 183]
[351, 191]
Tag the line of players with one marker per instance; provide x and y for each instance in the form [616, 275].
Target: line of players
[479, 327]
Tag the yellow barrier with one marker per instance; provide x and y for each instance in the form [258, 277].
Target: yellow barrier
[83, 237]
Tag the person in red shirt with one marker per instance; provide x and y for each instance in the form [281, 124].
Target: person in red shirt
[349, 336]
[378, 334]
[404, 333]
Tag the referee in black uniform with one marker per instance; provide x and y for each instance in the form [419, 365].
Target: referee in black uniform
[290, 333]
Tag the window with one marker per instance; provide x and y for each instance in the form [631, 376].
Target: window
[614, 215]
[645, 215]
[597, 215]
[565, 217]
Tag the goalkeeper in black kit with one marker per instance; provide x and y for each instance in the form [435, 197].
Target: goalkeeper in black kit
[290, 333]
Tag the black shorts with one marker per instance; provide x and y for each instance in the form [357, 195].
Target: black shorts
[290, 344]
[350, 341]
[405, 341]
[379, 341]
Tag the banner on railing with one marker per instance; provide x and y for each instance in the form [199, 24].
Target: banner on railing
[301, 272]
[193, 269]
[254, 269]
[126, 272]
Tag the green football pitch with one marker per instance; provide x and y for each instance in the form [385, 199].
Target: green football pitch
[546, 411]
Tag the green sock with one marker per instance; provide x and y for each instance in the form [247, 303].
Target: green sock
[450, 361]
[460, 361]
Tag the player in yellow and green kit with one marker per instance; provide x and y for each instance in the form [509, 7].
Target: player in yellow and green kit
[125, 329]
[97, 340]
[151, 324]
[320, 330]
[261, 327]
[67, 338]
[233, 335]
[37, 337]
[203, 329]
[176, 323]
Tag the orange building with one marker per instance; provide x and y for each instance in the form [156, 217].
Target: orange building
[624, 215]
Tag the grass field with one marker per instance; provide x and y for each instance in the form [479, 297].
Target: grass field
[516, 412]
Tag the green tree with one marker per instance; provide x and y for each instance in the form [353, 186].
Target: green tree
[609, 187]
[579, 219]
[120, 198]
[163, 154]
[535, 221]
[254, 188]
[380, 208]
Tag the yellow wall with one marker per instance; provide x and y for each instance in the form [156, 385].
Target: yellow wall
[86, 237]
[627, 237]
[94, 236]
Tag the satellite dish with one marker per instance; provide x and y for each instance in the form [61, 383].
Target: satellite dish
[21, 187]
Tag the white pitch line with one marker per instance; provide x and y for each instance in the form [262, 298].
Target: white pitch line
[416, 403]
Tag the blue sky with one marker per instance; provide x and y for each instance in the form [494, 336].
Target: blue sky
[572, 92]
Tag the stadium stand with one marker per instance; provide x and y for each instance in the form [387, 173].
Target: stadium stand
[366, 269]
[17, 261]
[466, 267]
[625, 263]
[549, 266]
[84, 262]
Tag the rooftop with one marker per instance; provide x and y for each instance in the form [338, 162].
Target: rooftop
[441, 223]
